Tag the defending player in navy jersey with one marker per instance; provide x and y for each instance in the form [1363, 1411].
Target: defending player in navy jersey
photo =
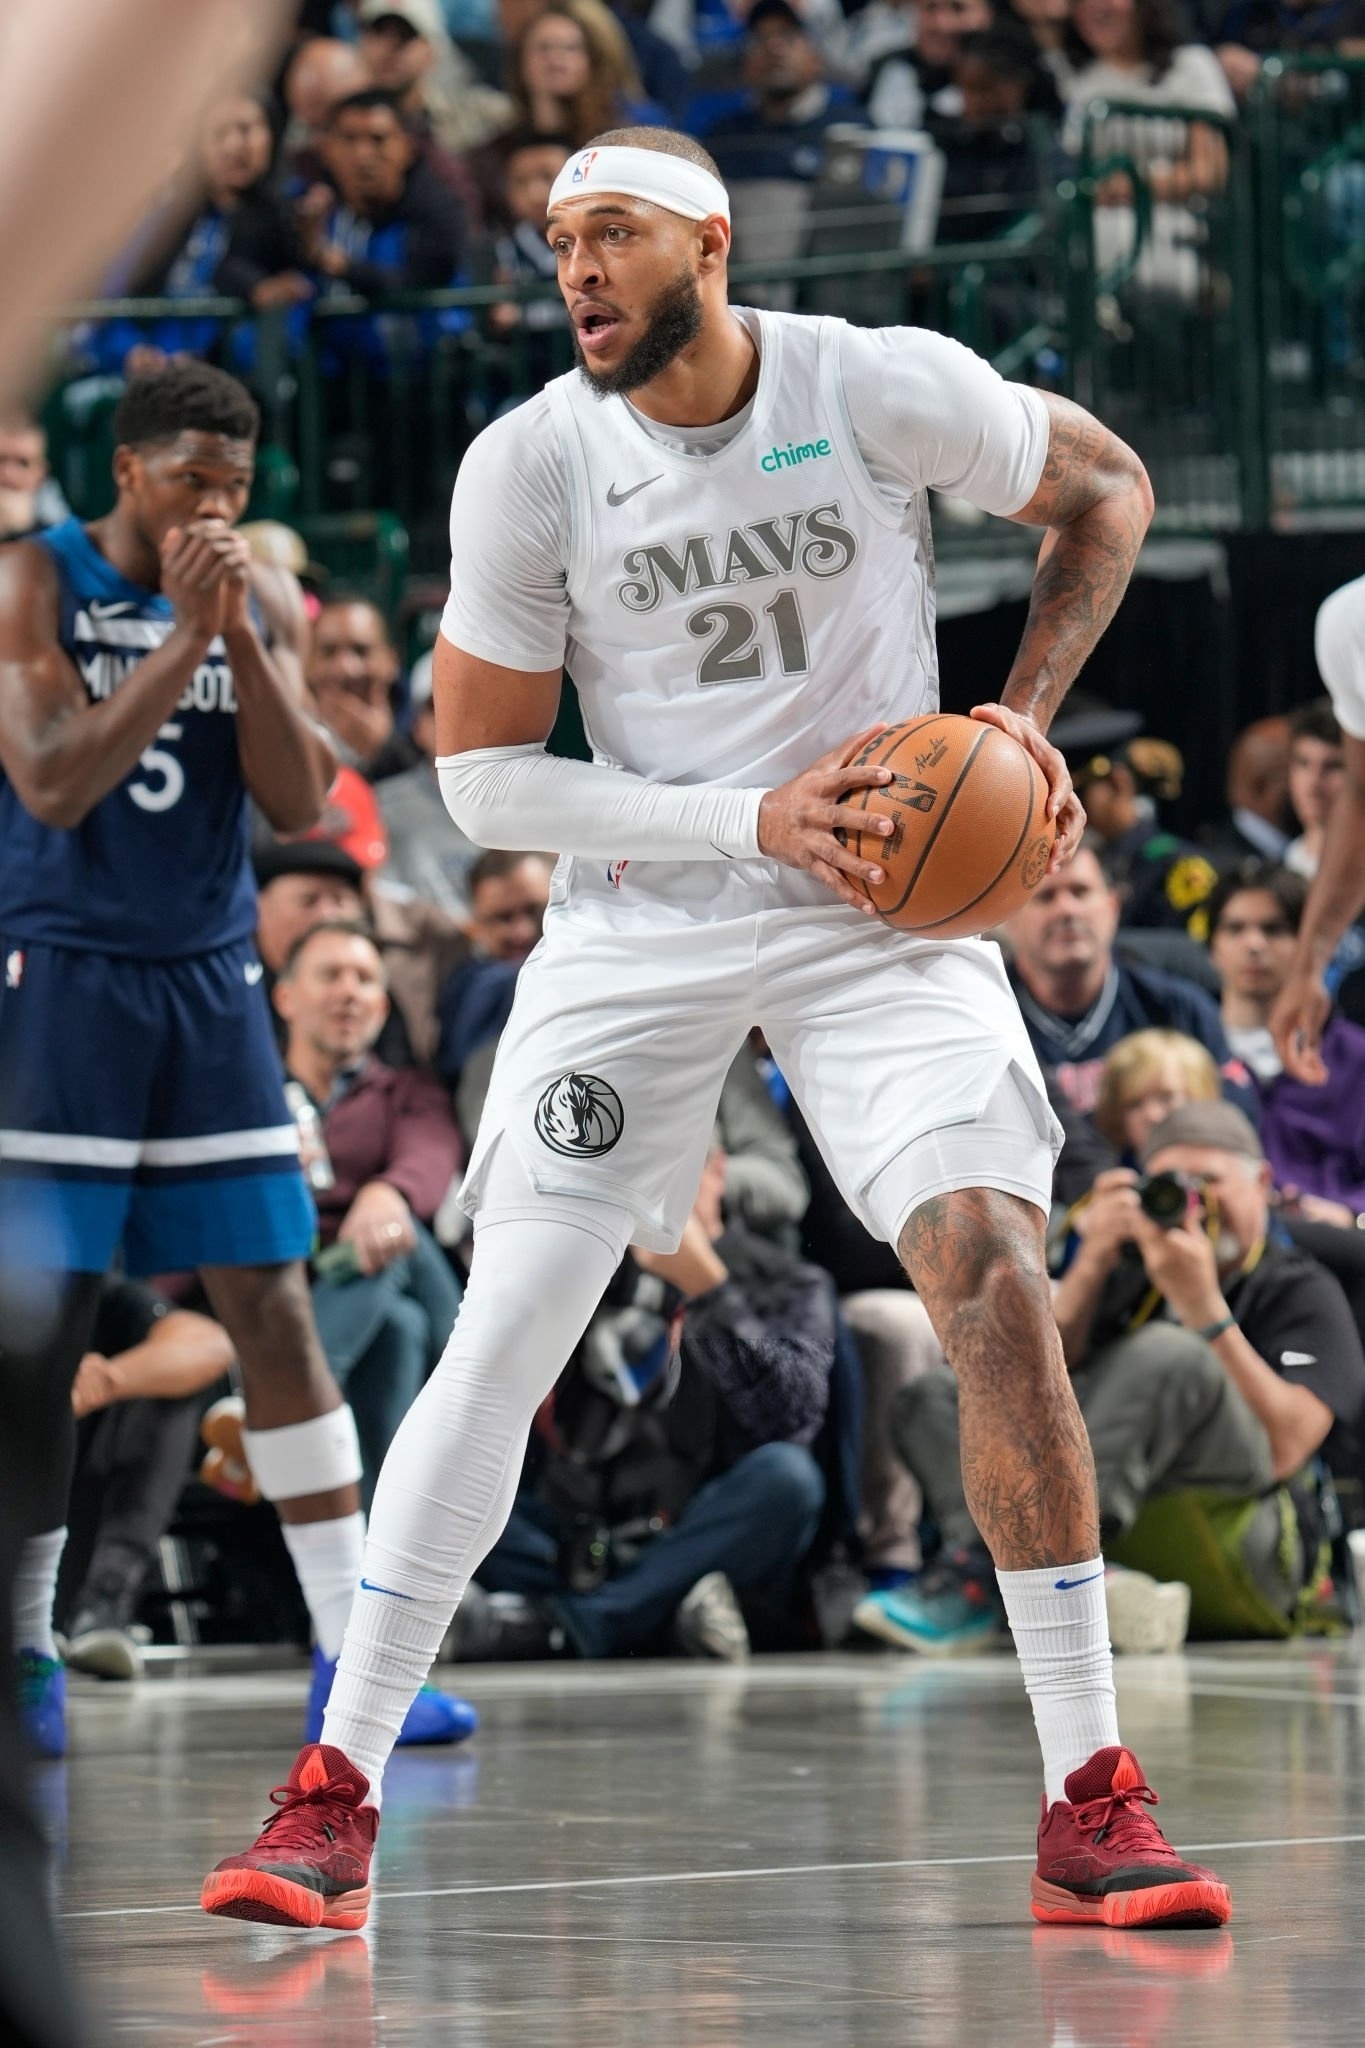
[150, 682]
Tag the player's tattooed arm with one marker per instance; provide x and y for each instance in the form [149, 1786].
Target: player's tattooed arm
[1096, 502]
[976, 1259]
[1095, 499]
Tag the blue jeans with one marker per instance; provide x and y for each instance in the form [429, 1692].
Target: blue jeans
[383, 1333]
[754, 1523]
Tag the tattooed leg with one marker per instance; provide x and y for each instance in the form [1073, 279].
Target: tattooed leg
[976, 1259]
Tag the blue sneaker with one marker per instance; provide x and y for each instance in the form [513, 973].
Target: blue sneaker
[433, 1716]
[943, 1615]
[41, 1684]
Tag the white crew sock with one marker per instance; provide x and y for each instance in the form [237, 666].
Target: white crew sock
[540, 1267]
[1061, 1633]
[35, 1589]
[328, 1557]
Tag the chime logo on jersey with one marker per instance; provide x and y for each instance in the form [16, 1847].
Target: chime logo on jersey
[814, 543]
[580, 1116]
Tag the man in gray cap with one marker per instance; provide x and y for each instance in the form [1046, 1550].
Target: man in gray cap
[1207, 1354]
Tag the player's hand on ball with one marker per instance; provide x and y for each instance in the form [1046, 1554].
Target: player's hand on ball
[798, 821]
[1063, 804]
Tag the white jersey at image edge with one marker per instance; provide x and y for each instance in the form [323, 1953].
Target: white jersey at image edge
[728, 617]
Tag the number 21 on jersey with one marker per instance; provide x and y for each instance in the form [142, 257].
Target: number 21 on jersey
[736, 652]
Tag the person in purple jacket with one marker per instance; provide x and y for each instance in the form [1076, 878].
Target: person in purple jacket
[1314, 1137]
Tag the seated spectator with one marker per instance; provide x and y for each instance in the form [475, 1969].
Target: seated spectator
[429, 856]
[1206, 1356]
[30, 496]
[1253, 30]
[1317, 767]
[907, 85]
[769, 140]
[278, 548]
[388, 223]
[353, 671]
[529, 163]
[1144, 1078]
[408, 51]
[384, 1297]
[509, 894]
[303, 882]
[572, 73]
[321, 72]
[1257, 790]
[1162, 880]
[994, 168]
[721, 1455]
[137, 1399]
[1078, 999]
[1314, 1137]
[1132, 51]
[709, 33]
[241, 243]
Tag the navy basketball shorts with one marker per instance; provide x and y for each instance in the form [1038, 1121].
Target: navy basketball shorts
[142, 1106]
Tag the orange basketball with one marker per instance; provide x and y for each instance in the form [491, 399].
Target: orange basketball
[972, 838]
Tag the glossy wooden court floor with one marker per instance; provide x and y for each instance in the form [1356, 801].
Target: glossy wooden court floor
[826, 1851]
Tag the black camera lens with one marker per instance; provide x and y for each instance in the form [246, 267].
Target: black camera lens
[1165, 1197]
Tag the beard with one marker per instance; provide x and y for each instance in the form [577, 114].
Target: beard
[674, 322]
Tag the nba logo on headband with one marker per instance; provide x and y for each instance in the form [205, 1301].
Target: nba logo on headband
[584, 165]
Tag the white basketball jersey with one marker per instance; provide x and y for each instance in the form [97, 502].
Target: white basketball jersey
[735, 615]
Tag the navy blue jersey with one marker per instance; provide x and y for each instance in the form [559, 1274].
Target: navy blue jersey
[158, 870]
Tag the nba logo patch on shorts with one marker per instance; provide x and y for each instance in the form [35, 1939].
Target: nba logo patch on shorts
[615, 870]
[14, 966]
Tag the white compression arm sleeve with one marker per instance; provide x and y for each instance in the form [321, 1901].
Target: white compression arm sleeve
[515, 796]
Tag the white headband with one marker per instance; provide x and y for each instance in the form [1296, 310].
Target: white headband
[668, 181]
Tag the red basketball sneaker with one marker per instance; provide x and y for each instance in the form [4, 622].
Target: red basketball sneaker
[310, 1864]
[1101, 1857]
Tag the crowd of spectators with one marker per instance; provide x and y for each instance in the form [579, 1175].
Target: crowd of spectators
[411, 145]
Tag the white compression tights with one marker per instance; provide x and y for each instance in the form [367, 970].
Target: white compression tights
[540, 1266]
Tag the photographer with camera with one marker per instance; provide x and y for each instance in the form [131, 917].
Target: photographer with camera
[1207, 1358]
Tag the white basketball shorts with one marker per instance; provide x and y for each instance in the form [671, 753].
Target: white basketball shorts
[908, 1059]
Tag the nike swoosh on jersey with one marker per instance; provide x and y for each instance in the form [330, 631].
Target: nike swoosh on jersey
[109, 611]
[615, 497]
[1297, 1358]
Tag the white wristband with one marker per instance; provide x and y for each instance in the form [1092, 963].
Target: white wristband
[523, 797]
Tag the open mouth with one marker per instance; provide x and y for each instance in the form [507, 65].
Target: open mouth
[595, 328]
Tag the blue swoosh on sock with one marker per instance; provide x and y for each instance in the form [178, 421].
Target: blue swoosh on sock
[366, 1586]
[1062, 1585]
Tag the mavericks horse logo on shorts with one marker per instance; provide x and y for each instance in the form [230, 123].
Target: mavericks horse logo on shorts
[580, 1116]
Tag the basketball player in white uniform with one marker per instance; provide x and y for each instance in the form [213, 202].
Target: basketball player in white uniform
[719, 523]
